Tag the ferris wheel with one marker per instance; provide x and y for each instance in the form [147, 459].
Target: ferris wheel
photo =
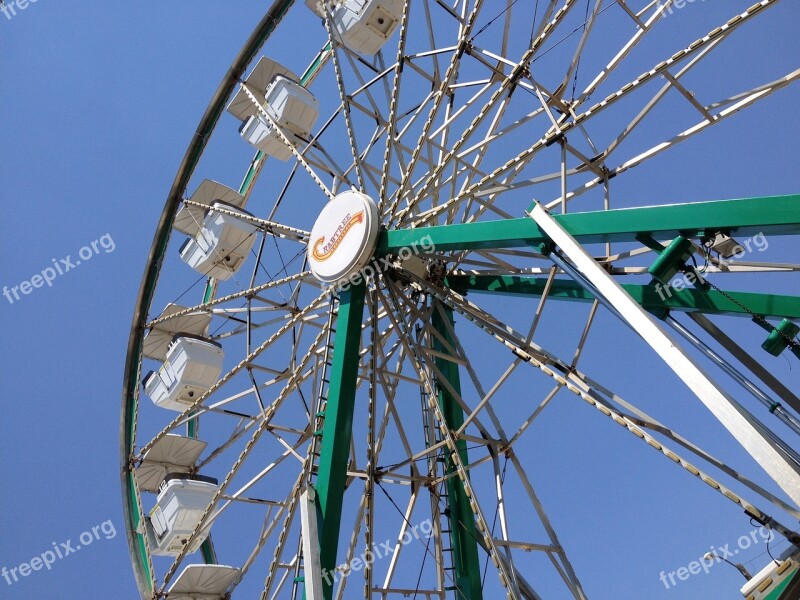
[337, 367]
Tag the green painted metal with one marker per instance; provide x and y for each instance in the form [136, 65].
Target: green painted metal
[463, 534]
[207, 548]
[783, 590]
[192, 427]
[137, 542]
[140, 542]
[338, 428]
[510, 233]
[315, 65]
[775, 215]
[672, 259]
[208, 552]
[654, 300]
[780, 337]
[250, 176]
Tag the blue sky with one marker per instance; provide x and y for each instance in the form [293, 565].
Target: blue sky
[98, 103]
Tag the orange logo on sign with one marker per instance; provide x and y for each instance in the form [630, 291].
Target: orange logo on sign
[328, 249]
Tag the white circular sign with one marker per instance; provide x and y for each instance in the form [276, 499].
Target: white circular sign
[343, 237]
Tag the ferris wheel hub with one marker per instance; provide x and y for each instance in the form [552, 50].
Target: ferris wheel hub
[343, 237]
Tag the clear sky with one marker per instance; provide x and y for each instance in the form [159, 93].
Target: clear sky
[99, 100]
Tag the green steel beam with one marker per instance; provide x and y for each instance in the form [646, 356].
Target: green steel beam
[463, 534]
[208, 552]
[138, 540]
[788, 589]
[685, 300]
[774, 215]
[338, 428]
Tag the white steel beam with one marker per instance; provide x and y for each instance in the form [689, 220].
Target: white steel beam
[312, 570]
[722, 406]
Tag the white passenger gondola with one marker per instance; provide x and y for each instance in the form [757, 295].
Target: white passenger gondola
[182, 500]
[190, 216]
[363, 26]
[289, 105]
[223, 242]
[193, 364]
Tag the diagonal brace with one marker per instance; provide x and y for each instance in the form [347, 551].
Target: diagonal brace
[747, 431]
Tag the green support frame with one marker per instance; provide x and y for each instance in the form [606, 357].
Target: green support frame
[337, 432]
[778, 215]
[788, 589]
[774, 215]
[338, 428]
[685, 300]
[771, 215]
[464, 534]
